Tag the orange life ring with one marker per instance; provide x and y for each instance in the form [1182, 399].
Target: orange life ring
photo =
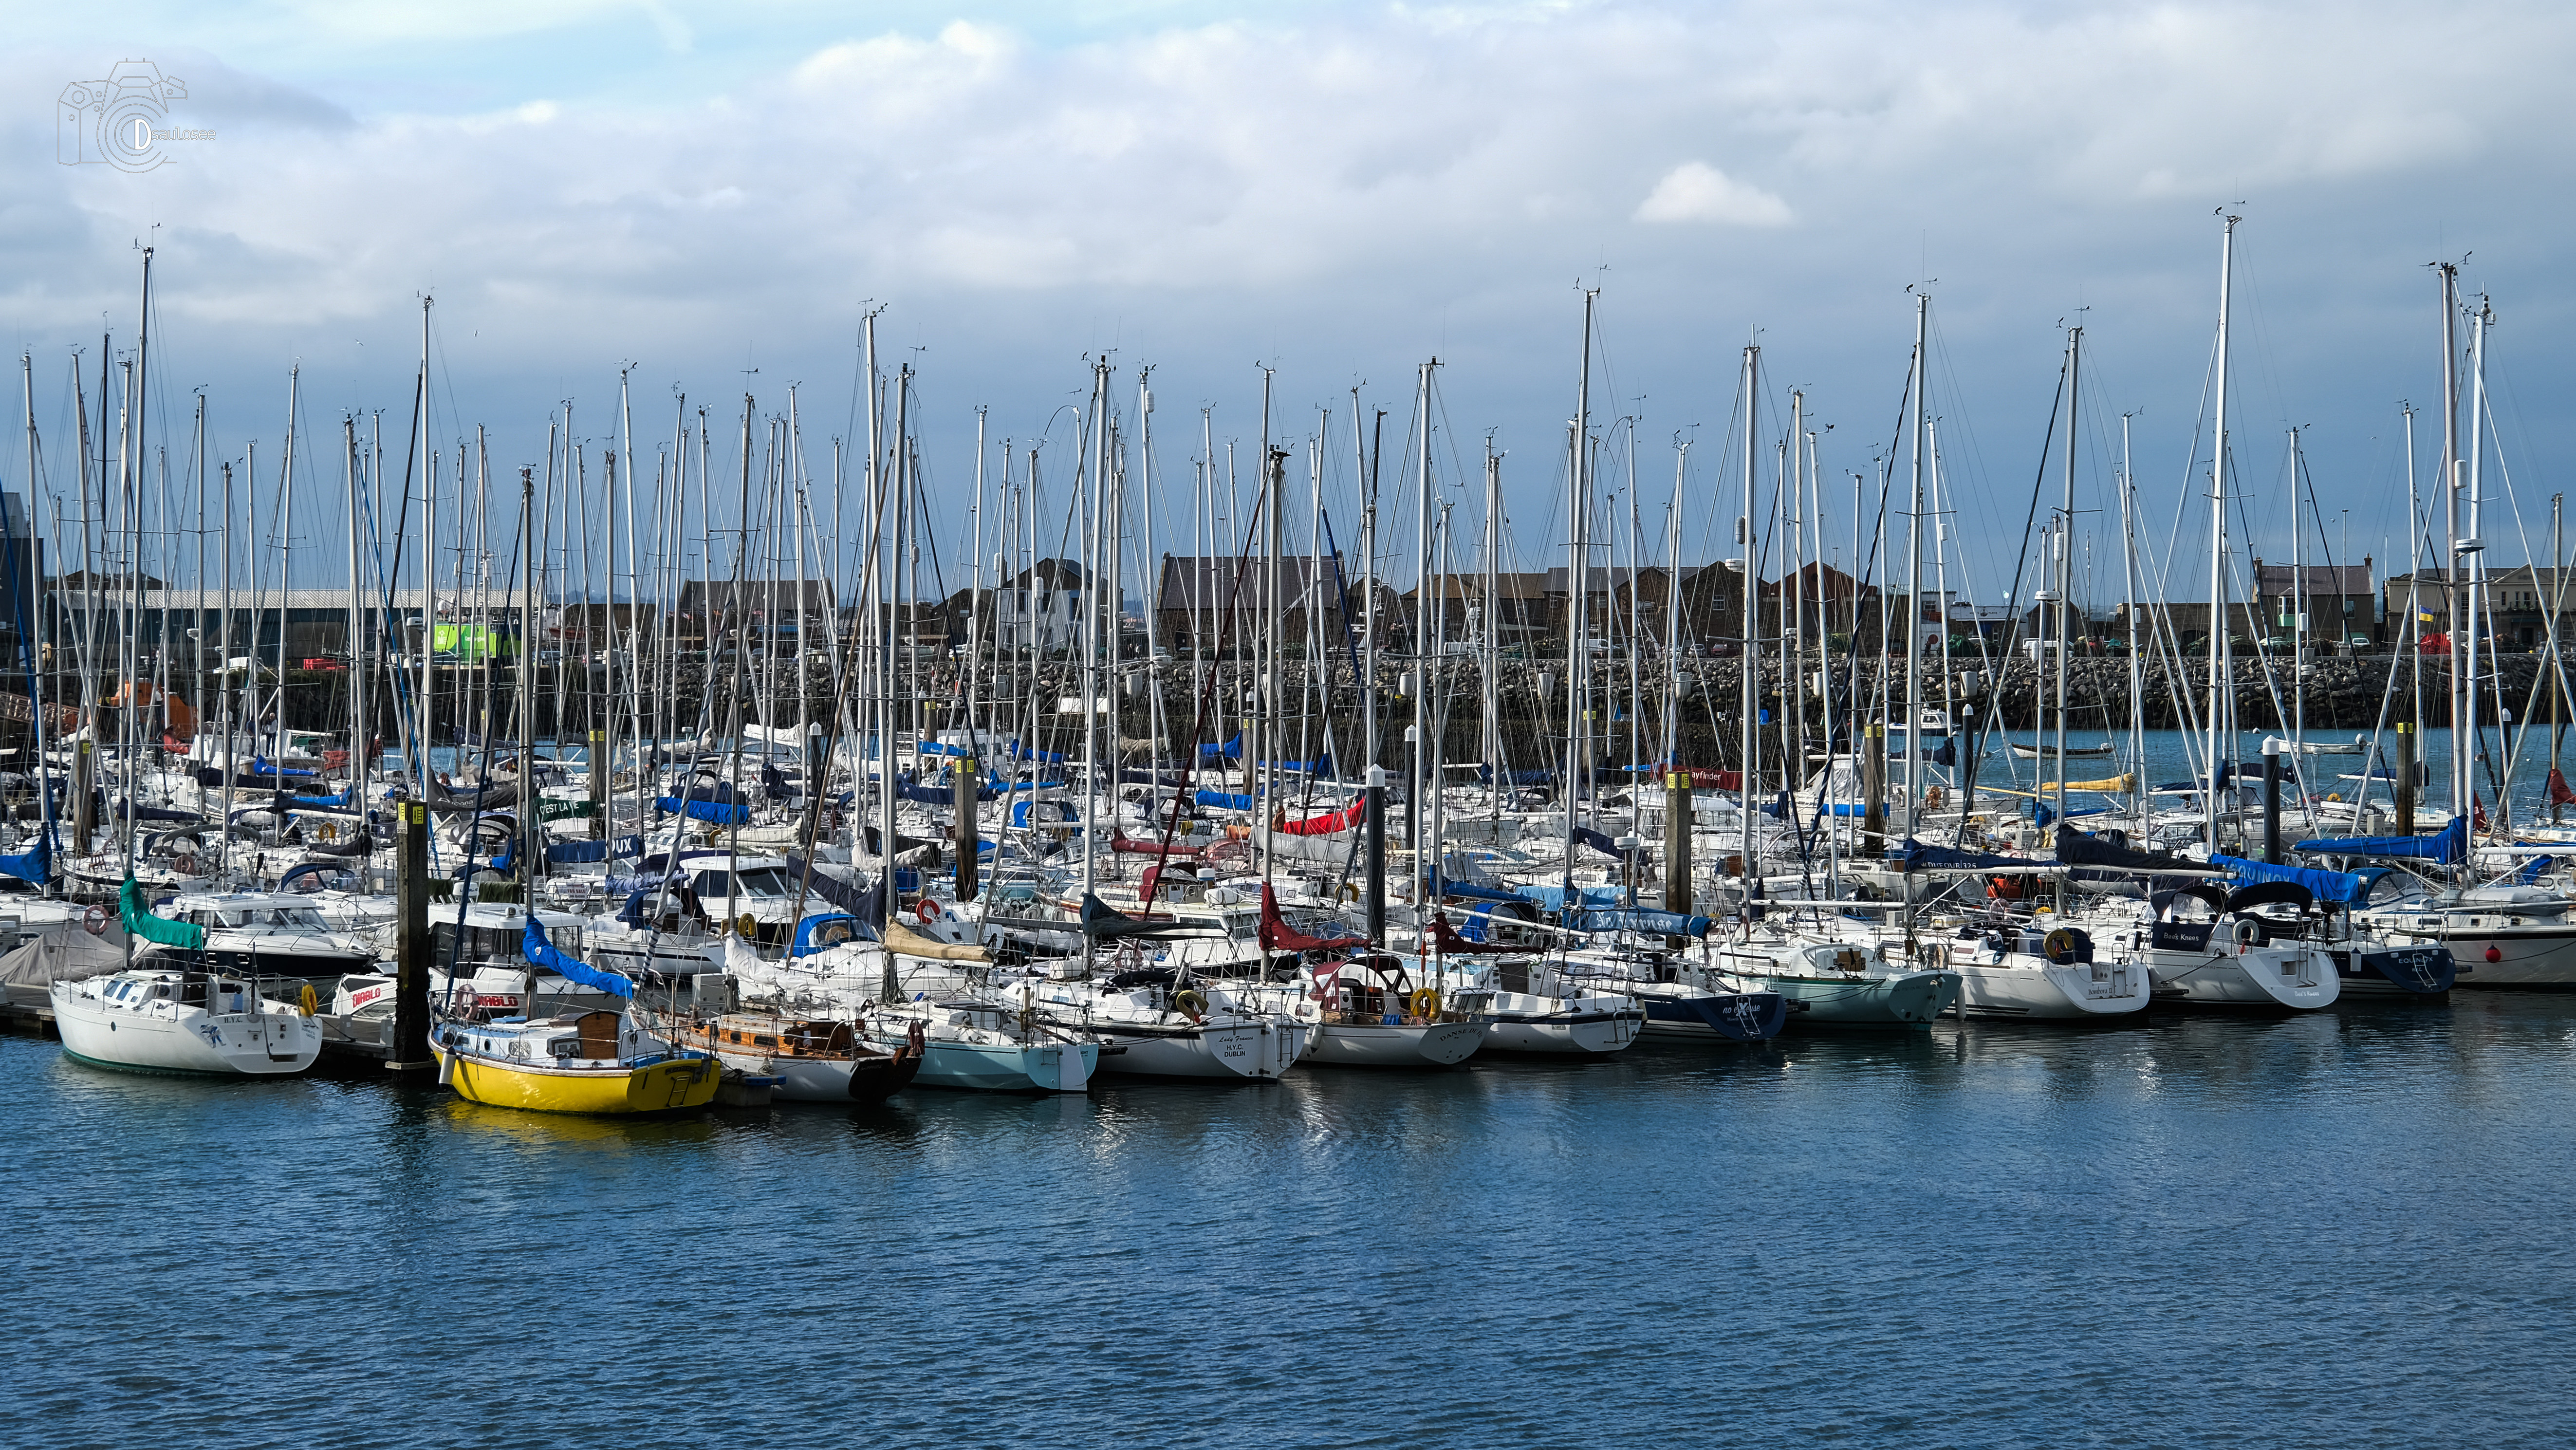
[925, 910]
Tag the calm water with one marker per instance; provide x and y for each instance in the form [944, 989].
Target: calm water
[2347, 1229]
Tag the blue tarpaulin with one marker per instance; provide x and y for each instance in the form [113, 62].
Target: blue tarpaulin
[698, 810]
[36, 866]
[1586, 898]
[1660, 923]
[2449, 846]
[1919, 857]
[541, 954]
[2336, 886]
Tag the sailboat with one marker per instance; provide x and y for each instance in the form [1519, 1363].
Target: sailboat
[180, 1019]
[586, 1062]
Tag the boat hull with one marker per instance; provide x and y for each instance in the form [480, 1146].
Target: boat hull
[226, 1044]
[2043, 992]
[1230, 1052]
[2540, 956]
[1008, 1067]
[2395, 972]
[1906, 999]
[2288, 978]
[1417, 1045]
[1564, 1034]
[1720, 1016]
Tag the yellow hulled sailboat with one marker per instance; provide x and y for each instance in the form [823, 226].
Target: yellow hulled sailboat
[587, 1062]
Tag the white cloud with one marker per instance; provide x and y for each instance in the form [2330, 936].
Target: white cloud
[1698, 192]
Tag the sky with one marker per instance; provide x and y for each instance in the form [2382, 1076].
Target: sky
[714, 195]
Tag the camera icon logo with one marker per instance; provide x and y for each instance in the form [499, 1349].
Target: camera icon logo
[119, 121]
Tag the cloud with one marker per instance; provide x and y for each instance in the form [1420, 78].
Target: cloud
[1698, 192]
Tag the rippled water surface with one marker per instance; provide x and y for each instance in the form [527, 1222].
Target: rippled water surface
[2347, 1229]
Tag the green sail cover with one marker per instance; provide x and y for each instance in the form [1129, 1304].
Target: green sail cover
[139, 920]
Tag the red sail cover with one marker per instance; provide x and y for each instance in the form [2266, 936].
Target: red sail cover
[1328, 824]
[1134, 847]
[1451, 944]
[1279, 936]
[2559, 794]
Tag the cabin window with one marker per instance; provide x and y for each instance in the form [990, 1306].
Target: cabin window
[565, 1047]
[764, 1042]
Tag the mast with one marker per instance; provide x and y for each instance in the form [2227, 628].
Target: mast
[2065, 583]
[285, 532]
[1914, 569]
[1426, 854]
[1748, 740]
[2449, 485]
[2222, 693]
[1578, 624]
[2471, 550]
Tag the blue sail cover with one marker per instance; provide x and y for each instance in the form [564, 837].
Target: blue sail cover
[2337, 886]
[1224, 800]
[1919, 857]
[576, 852]
[1470, 891]
[1586, 898]
[1052, 757]
[1021, 815]
[703, 810]
[541, 954]
[259, 766]
[2448, 846]
[1540, 776]
[1658, 923]
[1320, 765]
[1230, 750]
[35, 866]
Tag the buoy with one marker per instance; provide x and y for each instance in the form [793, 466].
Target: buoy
[2495, 954]
[926, 910]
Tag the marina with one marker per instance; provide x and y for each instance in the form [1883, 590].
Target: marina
[1341, 727]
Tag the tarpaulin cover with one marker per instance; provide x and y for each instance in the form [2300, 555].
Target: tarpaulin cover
[36, 866]
[1657, 923]
[1470, 891]
[1920, 857]
[128, 810]
[2075, 848]
[1279, 936]
[1446, 940]
[1586, 898]
[1021, 815]
[139, 921]
[2449, 846]
[541, 954]
[562, 852]
[833, 889]
[1597, 841]
[1328, 824]
[704, 810]
[2336, 886]
[1100, 921]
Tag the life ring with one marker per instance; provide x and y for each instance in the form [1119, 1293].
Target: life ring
[94, 920]
[306, 1002]
[185, 865]
[746, 925]
[1190, 1002]
[2249, 932]
[2058, 946]
[1424, 1003]
[925, 911]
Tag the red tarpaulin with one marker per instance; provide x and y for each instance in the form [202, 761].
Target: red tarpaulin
[1451, 944]
[1330, 823]
[1279, 936]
